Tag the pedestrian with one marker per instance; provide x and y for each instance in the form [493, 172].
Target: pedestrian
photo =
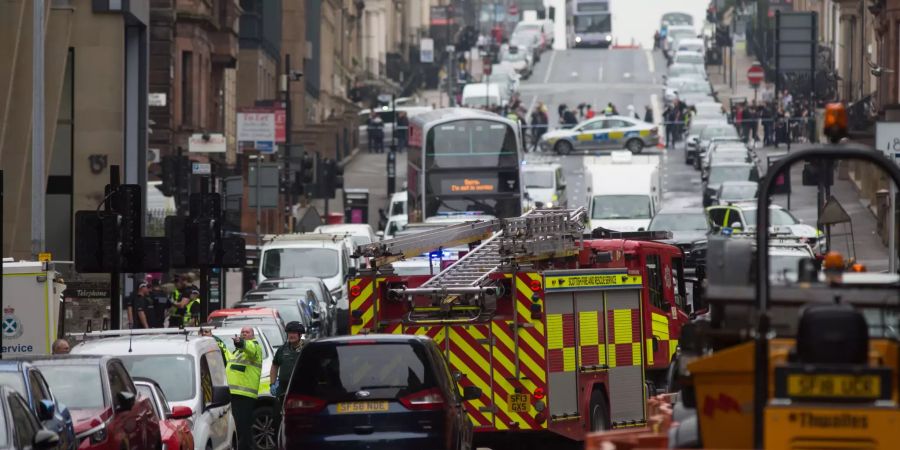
[178, 300]
[739, 121]
[786, 100]
[648, 114]
[284, 361]
[766, 116]
[60, 347]
[379, 134]
[755, 115]
[569, 119]
[243, 371]
[137, 307]
[187, 310]
[402, 131]
[655, 39]
[157, 304]
[589, 112]
[669, 117]
[371, 131]
[632, 113]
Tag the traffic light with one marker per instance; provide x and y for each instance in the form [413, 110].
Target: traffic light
[167, 176]
[88, 229]
[176, 233]
[326, 179]
[202, 248]
[232, 253]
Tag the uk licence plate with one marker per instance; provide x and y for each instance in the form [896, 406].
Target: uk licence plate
[834, 385]
[361, 407]
[519, 402]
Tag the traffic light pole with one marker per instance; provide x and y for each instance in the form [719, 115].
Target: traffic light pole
[204, 269]
[115, 299]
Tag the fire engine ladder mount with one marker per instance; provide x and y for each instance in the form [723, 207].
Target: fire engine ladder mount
[539, 234]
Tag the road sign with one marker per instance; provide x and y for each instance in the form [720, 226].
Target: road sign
[426, 50]
[45, 257]
[887, 138]
[755, 74]
[206, 143]
[201, 168]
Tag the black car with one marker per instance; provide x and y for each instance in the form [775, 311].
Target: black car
[727, 171]
[686, 224]
[326, 302]
[291, 309]
[20, 429]
[375, 391]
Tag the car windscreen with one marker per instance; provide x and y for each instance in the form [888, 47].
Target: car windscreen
[721, 174]
[738, 191]
[76, 386]
[336, 372]
[514, 54]
[681, 70]
[177, 380]
[692, 87]
[300, 262]
[717, 131]
[15, 381]
[611, 207]
[268, 327]
[679, 222]
[689, 58]
[539, 179]
[776, 217]
[225, 337]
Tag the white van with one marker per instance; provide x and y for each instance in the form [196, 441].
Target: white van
[359, 233]
[319, 255]
[624, 190]
[386, 114]
[545, 185]
[477, 95]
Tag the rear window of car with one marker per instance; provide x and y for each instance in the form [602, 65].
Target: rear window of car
[76, 386]
[387, 370]
[177, 380]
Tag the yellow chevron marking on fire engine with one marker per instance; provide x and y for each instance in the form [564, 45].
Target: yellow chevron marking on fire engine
[611, 350]
[470, 374]
[587, 325]
[523, 357]
[649, 347]
[622, 324]
[362, 297]
[636, 353]
[554, 331]
[505, 387]
[558, 282]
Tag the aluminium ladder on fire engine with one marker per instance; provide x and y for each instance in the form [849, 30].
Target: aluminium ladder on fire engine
[536, 234]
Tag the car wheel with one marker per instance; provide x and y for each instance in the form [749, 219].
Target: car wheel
[263, 428]
[563, 147]
[634, 146]
[599, 411]
[209, 445]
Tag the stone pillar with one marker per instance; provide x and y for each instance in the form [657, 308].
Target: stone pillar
[848, 49]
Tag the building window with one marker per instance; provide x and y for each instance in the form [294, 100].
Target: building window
[187, 90]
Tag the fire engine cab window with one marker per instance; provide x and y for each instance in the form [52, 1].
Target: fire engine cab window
[655, 282]
[385, 371]
[678, 275]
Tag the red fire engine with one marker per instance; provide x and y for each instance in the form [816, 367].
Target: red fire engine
[560, 333]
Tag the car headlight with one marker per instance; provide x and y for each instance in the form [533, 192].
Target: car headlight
[548, 205]
[608, 38]
[577, 38]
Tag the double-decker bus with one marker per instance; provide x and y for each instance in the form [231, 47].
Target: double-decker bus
[588, 23]
[463, 161]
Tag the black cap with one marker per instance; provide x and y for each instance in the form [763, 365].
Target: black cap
[294, 327]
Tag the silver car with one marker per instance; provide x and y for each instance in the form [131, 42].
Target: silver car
[602, 133]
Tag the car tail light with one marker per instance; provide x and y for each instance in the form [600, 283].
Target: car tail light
[296, 404]
[427, 400]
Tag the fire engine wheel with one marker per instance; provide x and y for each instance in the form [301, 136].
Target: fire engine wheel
[563, 147]
[599, 411]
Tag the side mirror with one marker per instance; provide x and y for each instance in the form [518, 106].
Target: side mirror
[471, 393]
[562, 187]
[125, 401]
[45, 439]
[380, 234]
[352, 272]
[221, 396]
[46, 410]
[181, 412]
[333, 302]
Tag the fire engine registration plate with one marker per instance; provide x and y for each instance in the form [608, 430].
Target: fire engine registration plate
[519, 402]
[362, 407]
[834, 385]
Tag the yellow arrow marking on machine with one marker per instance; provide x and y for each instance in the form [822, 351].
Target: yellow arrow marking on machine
[591, 281]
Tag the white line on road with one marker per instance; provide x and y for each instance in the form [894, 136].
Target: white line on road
[549, 67]
[600, 74]
[651, 66]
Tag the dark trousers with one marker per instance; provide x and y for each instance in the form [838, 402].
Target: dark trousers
[242, 409]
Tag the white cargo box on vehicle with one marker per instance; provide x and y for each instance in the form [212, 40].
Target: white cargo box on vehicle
[30, 308]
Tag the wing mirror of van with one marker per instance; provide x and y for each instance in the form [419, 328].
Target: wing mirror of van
[352, 272]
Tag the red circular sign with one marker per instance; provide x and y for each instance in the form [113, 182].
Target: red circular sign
[755, 74]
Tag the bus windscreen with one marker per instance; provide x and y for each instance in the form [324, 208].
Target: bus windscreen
[471, 143]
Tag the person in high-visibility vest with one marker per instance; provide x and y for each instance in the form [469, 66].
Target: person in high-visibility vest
[192, 309]
[243, 371]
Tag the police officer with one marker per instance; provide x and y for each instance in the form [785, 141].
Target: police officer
[178, 300]
[192, 309]
[243, 371]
